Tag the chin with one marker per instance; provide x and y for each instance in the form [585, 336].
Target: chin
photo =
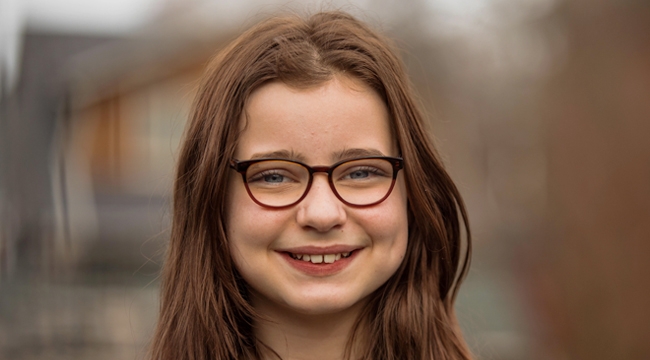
[319, 309]
[325, 306]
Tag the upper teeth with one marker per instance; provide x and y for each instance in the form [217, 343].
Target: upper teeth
[317, 259]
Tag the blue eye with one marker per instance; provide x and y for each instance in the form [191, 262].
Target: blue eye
[363, 173]
[359, 174]
[273, 178]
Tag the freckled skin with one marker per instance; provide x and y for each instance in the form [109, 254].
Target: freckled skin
[315, 123]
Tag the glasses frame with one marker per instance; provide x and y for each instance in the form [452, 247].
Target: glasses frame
[241, 166]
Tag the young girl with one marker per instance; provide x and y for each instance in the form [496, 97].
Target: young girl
[312, 216]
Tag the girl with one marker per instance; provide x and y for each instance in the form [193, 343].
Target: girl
[312, 217]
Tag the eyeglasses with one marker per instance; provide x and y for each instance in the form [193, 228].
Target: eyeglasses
[280, 183]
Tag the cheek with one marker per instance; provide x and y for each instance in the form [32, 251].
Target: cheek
[240, 218]
[244, 235]
[387, 224]
[249, 225]
[394, 219]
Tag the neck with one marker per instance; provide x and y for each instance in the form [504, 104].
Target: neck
[304, 336]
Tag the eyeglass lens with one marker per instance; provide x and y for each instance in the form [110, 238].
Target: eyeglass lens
[281, 183]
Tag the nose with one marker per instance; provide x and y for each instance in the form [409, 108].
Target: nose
[321, 210]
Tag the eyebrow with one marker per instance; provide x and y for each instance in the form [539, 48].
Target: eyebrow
[356, 153]
[337, 156]
[280, 154]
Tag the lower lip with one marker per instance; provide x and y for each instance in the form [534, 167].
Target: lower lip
[322, 269]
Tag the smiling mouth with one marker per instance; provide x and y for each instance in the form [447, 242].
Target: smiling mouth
[321, 258]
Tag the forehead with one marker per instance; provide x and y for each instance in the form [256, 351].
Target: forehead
[315, 123]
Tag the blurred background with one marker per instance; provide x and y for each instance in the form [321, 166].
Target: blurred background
[540, 108]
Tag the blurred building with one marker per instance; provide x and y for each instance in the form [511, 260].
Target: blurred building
[89, 133]
[125, 111]
[30, 118]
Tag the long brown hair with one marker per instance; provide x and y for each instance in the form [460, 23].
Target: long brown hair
[204, 309]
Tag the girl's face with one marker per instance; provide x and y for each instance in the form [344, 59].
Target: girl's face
[338, 120]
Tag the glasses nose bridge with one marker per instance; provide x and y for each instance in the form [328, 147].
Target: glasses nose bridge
[321, 169]
[318, 169]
